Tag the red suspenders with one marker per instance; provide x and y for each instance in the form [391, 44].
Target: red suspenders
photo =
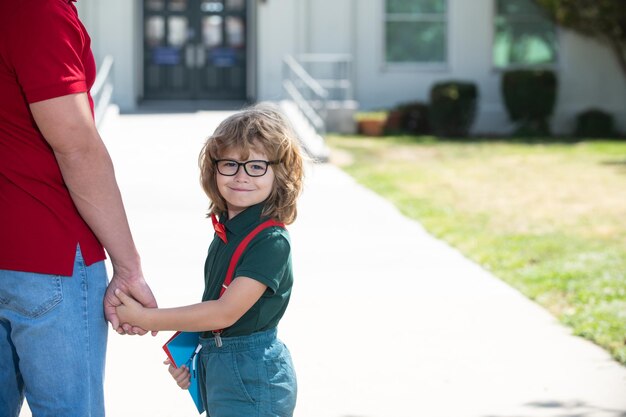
[235, 258]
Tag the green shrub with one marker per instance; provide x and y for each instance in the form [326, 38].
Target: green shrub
[594, 123]
[409, 118]
[529, 97]
[452, 108]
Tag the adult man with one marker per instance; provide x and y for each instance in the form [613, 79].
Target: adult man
[59, 206]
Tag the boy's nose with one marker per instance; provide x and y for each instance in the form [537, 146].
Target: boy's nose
[241, 174]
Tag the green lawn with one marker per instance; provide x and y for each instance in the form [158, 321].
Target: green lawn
[550, 219]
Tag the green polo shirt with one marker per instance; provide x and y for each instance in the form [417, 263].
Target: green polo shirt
[267, 259]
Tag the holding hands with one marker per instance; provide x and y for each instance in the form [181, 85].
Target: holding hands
[129, 310]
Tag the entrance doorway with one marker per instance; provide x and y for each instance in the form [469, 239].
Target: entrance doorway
[195, 49]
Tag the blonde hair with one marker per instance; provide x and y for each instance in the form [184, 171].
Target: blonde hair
[260, 128]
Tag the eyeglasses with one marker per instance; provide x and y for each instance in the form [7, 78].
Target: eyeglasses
[255, 168]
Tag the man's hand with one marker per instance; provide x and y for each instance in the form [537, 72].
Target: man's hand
[139, 290]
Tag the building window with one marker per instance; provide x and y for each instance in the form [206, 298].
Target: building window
[523, 35]
[415, 31]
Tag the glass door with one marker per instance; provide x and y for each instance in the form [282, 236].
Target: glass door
[222, 49]
[195, 49]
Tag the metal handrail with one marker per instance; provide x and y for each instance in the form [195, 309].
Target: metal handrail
[305, 108]
[102, 89]
[308, 94]
[301, 73]
[335, 75]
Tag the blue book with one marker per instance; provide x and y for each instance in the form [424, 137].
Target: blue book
[182, 349]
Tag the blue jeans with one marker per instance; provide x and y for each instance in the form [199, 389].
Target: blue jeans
[250, 376]
[53, 339]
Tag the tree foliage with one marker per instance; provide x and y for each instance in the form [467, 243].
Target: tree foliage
[601, 19]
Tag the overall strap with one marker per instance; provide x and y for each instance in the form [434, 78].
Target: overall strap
[233, 263]
[242, 247]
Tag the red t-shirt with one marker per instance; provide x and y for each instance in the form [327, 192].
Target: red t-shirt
[44, 53]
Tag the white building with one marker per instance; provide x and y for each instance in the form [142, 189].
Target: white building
[233, 49]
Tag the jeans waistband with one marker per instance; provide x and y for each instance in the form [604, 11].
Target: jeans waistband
[239, 343]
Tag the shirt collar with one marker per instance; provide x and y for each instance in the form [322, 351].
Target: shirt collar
[244, 220]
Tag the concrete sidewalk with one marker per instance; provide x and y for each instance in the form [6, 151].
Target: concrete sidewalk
[385, 320]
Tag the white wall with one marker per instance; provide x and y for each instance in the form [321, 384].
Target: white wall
[329, 30]
[121, 42]
[277, 28]
[115, 29]
[588, 74]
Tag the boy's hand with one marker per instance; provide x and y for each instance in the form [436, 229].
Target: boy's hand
[130, 310]
[181, 375]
